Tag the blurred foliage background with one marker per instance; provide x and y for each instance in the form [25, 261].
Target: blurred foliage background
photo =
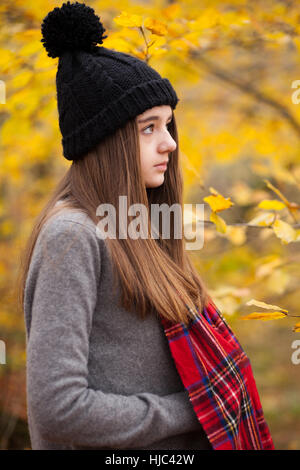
[234, 65]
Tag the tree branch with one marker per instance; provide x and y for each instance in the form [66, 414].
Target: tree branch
[245, 87]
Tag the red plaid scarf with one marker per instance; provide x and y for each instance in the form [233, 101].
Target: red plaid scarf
[217, 374]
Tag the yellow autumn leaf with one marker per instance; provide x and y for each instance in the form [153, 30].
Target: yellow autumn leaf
[7, 58]
[156, 41]
[129, 21]
[43, 61]
[279, 193]
[140, 55]
[156, 26]
[21, 79]
[284, 231]
[218, 202]
[207, 19]
[258, 303]
[273, 204]
[265, 219]
[264, 316]
[219, 222]
[159, 52]
[32, 34]
[172, 11]
[293, 206]
[191, 38]
[234, 19]
[296, 328]
[179, 45]
[297, 239]
[118, 43]
[30, 48]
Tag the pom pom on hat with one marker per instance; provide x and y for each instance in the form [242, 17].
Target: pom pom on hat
[72, 26]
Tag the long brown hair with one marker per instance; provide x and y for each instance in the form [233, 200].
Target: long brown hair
[154, 274]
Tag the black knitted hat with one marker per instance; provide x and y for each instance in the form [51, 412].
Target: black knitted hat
[98, 89]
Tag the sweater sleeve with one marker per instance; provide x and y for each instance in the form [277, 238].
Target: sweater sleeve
[63, 279]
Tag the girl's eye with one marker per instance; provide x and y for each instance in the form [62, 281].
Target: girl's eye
[152, 125]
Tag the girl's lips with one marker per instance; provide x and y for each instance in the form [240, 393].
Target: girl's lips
[162, 166]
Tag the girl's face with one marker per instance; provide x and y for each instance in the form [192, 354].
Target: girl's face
[155, 143]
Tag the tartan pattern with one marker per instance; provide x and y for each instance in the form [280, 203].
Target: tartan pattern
[218, 376]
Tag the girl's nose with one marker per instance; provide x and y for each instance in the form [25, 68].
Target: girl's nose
[168, 145]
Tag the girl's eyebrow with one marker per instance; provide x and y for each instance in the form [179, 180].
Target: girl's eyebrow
[153, 118]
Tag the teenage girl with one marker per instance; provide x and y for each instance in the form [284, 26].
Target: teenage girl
[100, 373]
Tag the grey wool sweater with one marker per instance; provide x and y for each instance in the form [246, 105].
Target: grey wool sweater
[97, 376]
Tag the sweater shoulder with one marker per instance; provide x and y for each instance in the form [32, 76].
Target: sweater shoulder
[66, 218]
[69, 221]
[66, 232]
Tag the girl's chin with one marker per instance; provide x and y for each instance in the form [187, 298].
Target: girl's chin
[155, 182]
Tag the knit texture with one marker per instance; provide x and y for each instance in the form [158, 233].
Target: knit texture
[98, 89]
[98, 376]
